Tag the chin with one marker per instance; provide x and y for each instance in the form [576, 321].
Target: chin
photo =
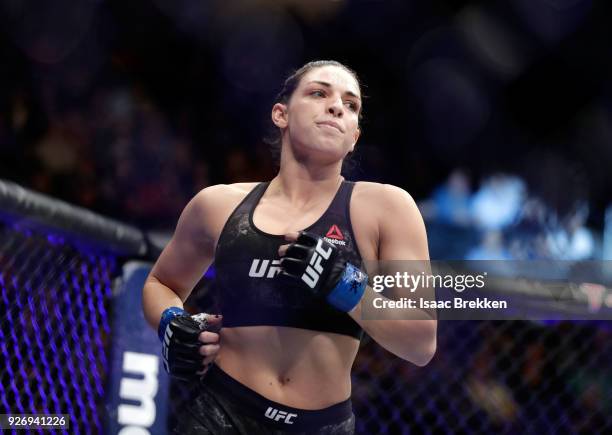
[332, 150]
[325, 149]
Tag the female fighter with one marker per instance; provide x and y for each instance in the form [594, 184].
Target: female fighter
[289, 259]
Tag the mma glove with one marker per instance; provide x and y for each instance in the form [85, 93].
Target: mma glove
[179, 333]
[318, 266]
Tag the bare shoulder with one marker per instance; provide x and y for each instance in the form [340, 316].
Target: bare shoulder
[400, 228]
[210, 208]
[374, 207]
[384, 196]
[221, 193]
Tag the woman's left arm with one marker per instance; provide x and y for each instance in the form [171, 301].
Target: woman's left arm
[409, 333]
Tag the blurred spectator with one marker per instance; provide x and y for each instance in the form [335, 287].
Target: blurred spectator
[118, 155]
[498, 201]
[491, 248]
[450, 202]
[509, 223]
[57, 150]
[527, 238]
[607, 238]
[572, 240]
[532, 216]
[238, 167]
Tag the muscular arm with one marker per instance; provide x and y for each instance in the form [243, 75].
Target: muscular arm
[409, 334]
[184, 260]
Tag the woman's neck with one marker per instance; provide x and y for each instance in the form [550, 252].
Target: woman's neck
[302, 185]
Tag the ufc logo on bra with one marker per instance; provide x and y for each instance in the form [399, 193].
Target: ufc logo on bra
[313, 272]
[277, 414]
[260, 269]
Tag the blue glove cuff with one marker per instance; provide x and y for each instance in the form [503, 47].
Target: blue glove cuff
[166, 318]
[349, 290]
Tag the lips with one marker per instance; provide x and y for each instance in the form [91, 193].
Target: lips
[331, 124]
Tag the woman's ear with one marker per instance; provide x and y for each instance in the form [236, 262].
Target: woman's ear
[356, 137]
[279, 115]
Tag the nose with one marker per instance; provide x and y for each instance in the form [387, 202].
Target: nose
[335, 107]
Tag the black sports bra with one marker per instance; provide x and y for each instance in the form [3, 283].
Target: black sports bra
[246, 263]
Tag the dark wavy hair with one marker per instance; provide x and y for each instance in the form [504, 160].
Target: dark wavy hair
[273, 139]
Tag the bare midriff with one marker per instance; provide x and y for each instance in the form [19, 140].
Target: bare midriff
[296, 367]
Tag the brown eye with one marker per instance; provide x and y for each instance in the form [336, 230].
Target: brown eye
[352, 106]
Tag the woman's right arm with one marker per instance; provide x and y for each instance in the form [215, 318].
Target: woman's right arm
[184, 260]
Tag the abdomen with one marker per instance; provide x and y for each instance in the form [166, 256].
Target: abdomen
[296, 367]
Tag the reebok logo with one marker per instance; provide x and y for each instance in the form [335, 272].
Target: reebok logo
[335, 236]
[334, 233]
[277, 414]
[313, 271]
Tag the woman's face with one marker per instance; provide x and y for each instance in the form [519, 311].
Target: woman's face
[321, 118]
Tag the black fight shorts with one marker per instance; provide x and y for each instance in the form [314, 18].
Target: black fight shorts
[224, 406]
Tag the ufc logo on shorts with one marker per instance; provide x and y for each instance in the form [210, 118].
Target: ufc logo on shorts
[313, 271]
[277, 414]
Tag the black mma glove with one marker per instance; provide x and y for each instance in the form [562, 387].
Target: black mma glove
[318, 266]
[179, 333]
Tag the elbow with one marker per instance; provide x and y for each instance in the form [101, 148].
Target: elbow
[426, 355]
[427, 350]
[149, 301]
[146, 306]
